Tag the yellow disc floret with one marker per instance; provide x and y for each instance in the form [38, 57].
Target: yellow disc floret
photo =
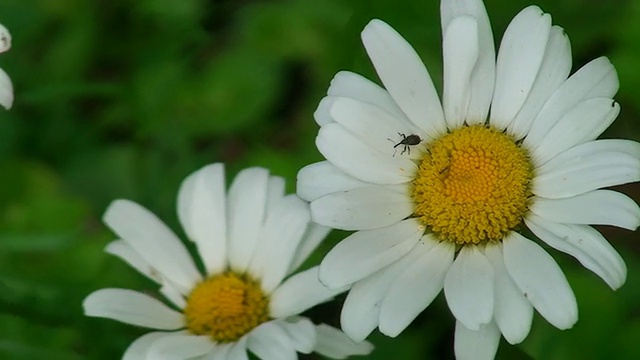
[472, 185]
[226, 307]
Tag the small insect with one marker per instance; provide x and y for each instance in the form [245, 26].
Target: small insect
[406, 142]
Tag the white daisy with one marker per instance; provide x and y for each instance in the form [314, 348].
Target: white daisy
[439, 192]
[249, 240]
[6, 86]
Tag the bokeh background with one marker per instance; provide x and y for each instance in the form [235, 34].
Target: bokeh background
[124, 98]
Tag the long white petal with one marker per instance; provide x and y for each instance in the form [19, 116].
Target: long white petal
[363, 208]
[482, 78]
[585, 244]
[202, 213]
[334, 344]
[478, 344]
[180, 346]
[554, 70]
[133, 308]
[374, 126]
[247, 203]
[355, 86]
[283, 230]
[322, 178]
[351, 155]
[154, 241]
[361, 309]
[415, 288]
[140, 347]
[512, 312]
[301, 332]
[519, 59]
[298, 293]
[587, 167]
[239, 350]
[598, 78]
[460, 53]
[541, 281]
[598, 207]
[124, 251]
[583, 123]
[315, 234]
[270, 342]
[404, 76]
[367, 251]
[468, 288]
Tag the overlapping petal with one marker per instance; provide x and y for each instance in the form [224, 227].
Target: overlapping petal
[404, 76]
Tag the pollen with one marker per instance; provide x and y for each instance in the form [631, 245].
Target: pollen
[472, 185]
[225, 307]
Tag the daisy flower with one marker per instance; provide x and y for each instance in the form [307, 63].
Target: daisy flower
[6, 86]
[249, 241]
[449, 195]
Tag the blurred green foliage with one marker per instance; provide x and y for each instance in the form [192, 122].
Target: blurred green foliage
[123, 99]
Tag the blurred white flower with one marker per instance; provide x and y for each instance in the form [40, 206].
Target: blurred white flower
[250, 239]
[6, 86]
[438, 192]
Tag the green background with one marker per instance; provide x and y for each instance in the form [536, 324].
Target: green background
[124, 98]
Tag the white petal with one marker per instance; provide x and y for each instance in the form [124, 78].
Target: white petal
[154, 241]
[322, 178]
[180, 346]
[521, 52]
[460, 52]
[275, 191]
[301, 332]
[349, 154]
[468, 288]
[585, 244]
[202, 213]
[354, 86]
[365, 252]
[583, 123]
[247, 202]
[321, 115]
[375, 127]
[270, 342]
[512, 312]
[404, 76]
[598, 207]
[133, 308]
[415, 288]
[334, 344]
[483, 76]
[139, 348]
[6, 90]
[125, 252]
[300, 292]
[554, 70]
[361, 309]
[362, 208]
[541, 281]
[587, 167]
[310, 241]
[476, 345]
[220, 352]
[283, 230]
[172, 294]
[5, 39]
[596, 79]
[239, 350]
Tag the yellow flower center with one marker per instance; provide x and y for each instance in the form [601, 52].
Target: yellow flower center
[226, 307]
[472, 185]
